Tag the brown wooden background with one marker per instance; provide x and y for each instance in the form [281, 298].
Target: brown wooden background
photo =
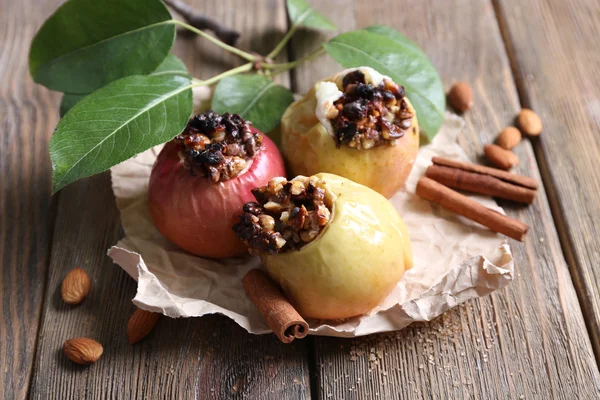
[535, 339]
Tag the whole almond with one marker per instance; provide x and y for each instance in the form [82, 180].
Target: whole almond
[509, 137]
[75, 286]
[140, 325]
[461, 96]
[500, 157]
[82, 351]
[529, 122]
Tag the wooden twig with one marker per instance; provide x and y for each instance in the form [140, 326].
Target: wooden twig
[200, 21]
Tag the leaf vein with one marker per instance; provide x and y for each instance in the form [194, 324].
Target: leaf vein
[141, 112]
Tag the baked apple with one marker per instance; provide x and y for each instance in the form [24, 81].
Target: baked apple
[357, 124]
[335, 247]
[203, 177]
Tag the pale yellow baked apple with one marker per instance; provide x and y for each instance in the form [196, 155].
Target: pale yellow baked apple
[335, 247]
[358, 124]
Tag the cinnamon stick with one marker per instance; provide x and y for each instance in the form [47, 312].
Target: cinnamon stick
[436, 192]
[496, 173]
[480, 183]
[280, 315]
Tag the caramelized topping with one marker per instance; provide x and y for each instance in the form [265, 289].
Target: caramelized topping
[217, 146]
[286, 215]
[369, 116]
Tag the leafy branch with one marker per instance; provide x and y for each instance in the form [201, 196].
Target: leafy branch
[124, 92]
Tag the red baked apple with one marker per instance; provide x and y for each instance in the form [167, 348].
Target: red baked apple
[203, 177]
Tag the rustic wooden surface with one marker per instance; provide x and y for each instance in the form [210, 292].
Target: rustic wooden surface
[555, 57]
[526, 341]
[505, 345]
[27, 118]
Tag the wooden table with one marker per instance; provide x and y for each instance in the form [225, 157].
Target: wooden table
[536, 339]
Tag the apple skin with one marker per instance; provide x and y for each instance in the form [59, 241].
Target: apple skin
[354, 263]
[198, 215]
[309, 149]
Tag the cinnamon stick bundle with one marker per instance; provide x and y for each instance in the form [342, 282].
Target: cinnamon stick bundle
[436, 192]
[280, 315]
[480, 183]
[480, 169]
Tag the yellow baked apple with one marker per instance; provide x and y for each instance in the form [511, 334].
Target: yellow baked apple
[357, 124]
[335, 247]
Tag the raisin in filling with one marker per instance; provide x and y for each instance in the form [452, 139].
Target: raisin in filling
[369, 116]
[286, 215]
[218, 146]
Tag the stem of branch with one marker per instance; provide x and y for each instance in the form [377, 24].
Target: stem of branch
[225, 46]
[279, 68]
[199, 21]
[283, 42]
[235, 71]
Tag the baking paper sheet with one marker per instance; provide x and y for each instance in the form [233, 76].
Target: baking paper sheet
[454, 259]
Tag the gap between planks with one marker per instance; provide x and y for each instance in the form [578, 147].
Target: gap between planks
[51, 224]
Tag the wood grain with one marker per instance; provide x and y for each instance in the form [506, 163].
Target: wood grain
[208, 357]
[554, 52]
[526, 341]
[26, 215]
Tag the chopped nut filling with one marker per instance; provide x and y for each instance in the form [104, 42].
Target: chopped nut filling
[368, 116]
[286, 215]
[217, 146]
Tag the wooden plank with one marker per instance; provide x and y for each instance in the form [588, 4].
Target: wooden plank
[526, 341]
[185, 358]
[554, 51]
[26, 214]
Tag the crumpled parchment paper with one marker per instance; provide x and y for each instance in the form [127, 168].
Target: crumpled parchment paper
[454, 259]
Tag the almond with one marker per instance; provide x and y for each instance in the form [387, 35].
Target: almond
[500, 157]
[140, 325]
[83, 351]
[75, 286]
[509, 137]
[461, 97]
[529, 122]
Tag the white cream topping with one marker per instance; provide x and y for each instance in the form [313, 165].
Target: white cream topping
[330, 91]
[327, 93]
[371, 76]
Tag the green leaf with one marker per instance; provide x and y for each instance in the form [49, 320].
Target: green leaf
[68, 101]
[86, 44]
[254, 97]
[392, 54]
[114, 123]
[170, 66]
[396, 36]
[301, 13]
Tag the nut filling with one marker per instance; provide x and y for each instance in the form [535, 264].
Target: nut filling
[286, 216]
[217, 146]
[369, 116]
